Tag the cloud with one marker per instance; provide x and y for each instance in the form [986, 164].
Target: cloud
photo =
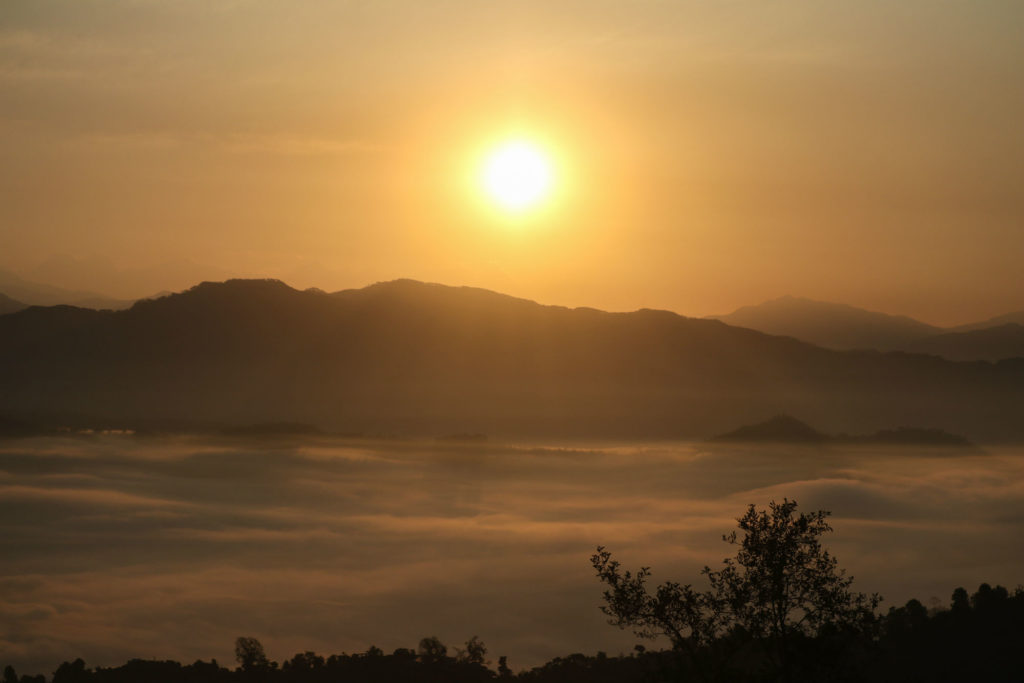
[120, 548]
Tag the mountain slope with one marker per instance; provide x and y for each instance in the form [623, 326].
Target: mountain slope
[788, 429]
[781, 428]
[992, 344]
[9, 305]
[407, 356]
[37, 294]
[1016, 318]
[834, 326]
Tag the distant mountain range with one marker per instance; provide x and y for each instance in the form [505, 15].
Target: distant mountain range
[9, 305]
[834, 326]
[830, 325]
[788, 429]
[991, 344]
[1015, 318]
[843, 327]
[409, 357]
[38, 294]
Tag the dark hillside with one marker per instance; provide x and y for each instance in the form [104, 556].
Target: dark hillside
[9, 305]
[834, 326]
[992, 344]
[410, 357]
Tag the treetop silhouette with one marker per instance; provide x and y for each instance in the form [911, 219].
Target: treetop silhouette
[781, 587]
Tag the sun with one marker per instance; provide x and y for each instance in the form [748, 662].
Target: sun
[517, 175]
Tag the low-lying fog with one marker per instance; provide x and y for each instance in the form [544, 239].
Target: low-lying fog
[117, 547]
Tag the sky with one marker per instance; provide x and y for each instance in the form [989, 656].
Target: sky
[707, 155]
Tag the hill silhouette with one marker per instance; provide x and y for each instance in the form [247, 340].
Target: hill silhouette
[408, 357]
[1015, 317]
[992, 344]
[783, 428]
[834, 326]
[788, 429]
[38, 294]
[9, 305]
[913, 436]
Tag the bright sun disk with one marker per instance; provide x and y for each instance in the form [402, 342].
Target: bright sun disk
[517, 175]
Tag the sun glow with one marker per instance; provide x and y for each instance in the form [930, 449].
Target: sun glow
[517, 175]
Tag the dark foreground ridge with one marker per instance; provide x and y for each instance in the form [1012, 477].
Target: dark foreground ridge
[976, 639]
[406, 357]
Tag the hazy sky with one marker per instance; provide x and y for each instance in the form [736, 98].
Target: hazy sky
[710, 154]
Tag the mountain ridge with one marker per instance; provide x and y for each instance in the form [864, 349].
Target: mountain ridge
[789, 430]
[846, 327]
[410, 357]
[831, 325]
[9, 305]
[38, 294]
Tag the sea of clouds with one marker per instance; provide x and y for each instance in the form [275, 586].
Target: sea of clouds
[120, 546]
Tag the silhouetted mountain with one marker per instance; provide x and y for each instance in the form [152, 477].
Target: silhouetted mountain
[118, 279]
[9, 305]
[428, 359]
[834, 326]
[779, 428]
[787, 429]
[37, 294]
[912, 436]
[1016, 317]
[992, 344]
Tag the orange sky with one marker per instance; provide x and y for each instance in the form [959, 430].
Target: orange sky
[712, 154]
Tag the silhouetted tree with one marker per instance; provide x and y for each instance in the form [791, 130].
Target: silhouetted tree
[250, 655]
[961, 603]
[780, 588]
[71, 672]
[475, 652]
[10, 676]
[432, 649]
[304, 662]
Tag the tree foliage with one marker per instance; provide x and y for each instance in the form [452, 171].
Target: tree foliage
[431, 649]
[475, 652]
[250, 655]
[781, 587]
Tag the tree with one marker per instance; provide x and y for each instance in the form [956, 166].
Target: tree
[71, 672]
[431, 649]
[781, 588]
[304, 662]
[250, 655]
[475, 652]
[504, 671]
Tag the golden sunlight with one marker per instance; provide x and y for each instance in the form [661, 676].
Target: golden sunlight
[517, 175]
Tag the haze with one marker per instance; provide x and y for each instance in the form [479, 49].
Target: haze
[120, 547]
[714, 155]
